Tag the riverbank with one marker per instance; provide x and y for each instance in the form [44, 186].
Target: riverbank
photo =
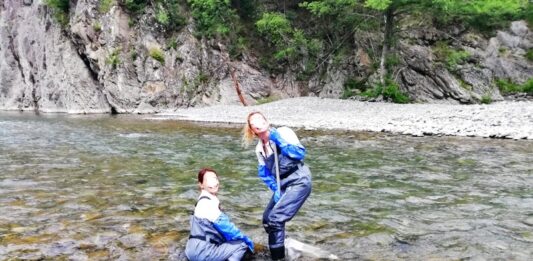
[510, 120]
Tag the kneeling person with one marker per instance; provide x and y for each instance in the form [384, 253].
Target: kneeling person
[213, 235]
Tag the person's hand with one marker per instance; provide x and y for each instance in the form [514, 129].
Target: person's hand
[277, 196]
[249, 242]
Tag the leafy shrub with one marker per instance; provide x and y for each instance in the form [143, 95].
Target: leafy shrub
[390, 91]
[113, 59]
[392, 60]
[97, 26]
[451, 58]
[169, 14]
[486, 99]
[528, 86]
[456, 57]
[373, 92]
[238, 46]
[157, 54]
[290, 44]
[484, 15]
[527, 14]
[172, 43]
[60, 9]
[266, 100]
[202, 78]
[135, 7]
[275, 26]
[353, 87]
[213, 18]
[529, 55]
[133, 54]
[508, 87]
[162, 16]
[105, 5]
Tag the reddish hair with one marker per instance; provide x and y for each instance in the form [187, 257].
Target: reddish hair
[202, 172]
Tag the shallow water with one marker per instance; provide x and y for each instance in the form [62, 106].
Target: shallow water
[105, 187]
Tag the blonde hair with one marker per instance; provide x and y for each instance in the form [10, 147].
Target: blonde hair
[248, 134]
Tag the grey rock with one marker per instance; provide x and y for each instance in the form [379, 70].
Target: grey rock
[529, 221]
[425, 82]
[132, 240]
[334, 85]
[508, 40]
[63, 247]
[519, 28]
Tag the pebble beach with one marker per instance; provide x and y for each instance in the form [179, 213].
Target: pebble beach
[507, 119]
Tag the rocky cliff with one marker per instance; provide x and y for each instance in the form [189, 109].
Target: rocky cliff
[103, 63]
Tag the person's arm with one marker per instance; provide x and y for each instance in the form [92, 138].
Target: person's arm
[269, 180]
[230, 231]
[288, 142]
[265, 175]
[262, 171]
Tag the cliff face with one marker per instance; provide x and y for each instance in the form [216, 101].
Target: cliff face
[500, 57]
[102, 62]
[40, 68]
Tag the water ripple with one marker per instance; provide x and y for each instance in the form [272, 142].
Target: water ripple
[102, 187]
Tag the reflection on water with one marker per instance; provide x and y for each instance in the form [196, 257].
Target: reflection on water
[102, 187]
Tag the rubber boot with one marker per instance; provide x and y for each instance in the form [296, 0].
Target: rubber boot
[278, 253]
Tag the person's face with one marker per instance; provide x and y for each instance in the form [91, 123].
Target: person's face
[258, 124]
[210, 183]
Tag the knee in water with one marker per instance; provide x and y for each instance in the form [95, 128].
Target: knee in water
[267, 228]
[272, 227]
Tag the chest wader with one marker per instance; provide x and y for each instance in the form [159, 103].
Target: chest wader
[294, 183]
[206, 243]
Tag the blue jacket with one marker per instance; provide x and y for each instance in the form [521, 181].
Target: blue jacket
[291, 154]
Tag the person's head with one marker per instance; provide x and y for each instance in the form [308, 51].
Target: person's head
[256, 123]
[208, 180]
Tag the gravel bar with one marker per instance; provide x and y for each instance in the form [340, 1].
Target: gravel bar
[507, 119]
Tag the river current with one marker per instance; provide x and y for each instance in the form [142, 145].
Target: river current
[103, 187]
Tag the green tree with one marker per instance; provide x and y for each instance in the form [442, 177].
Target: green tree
[169, 14]
[291, 44]
[336, 22]
[473, 10]
[213, 17]
[483, 14]
[60, 9]
[276, 26]
[134, 7]
[247, 9]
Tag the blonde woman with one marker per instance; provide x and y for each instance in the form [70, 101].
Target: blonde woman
[279, 146]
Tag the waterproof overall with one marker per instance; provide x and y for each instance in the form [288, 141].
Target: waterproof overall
[208, 243]
[295, 183]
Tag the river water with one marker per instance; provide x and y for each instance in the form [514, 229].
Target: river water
[121, 187]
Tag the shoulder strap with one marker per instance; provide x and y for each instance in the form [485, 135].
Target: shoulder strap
[202, 197]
